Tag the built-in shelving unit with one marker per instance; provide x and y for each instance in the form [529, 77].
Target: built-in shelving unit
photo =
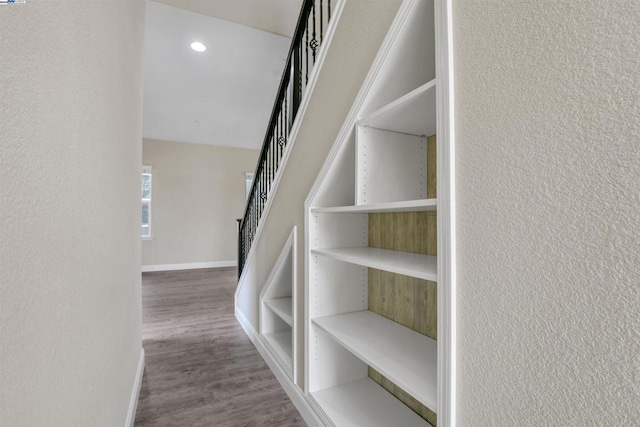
[371, 351]
[277, 302]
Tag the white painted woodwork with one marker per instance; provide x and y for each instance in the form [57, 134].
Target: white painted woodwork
[332, 364]
[405, 206]
[277, 299]
[401, 104]
[281, 344]
[407, 358]
[337, 287]
[447, 287]
[413, 113]
[282, 307]
[409, 264]
[339, 185]
[330, 231]
[410, 62]
[390, 166]
[365, 403]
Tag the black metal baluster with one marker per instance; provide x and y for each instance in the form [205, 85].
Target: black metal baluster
[286, 120]
[283, 125]
[297, 78]
[321, 22]
[280, 140]
[314, 41]
[272, 147]
[328, 10]
[306, 68]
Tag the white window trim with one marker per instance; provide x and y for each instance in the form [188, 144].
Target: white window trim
[147, 170]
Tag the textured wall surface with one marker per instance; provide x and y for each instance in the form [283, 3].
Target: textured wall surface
[548, 197]
[198, 193]
[70, 155]
[362, 28]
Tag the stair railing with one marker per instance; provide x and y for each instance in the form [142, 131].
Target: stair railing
[305, 45]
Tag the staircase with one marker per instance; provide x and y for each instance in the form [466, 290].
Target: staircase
[313, 23]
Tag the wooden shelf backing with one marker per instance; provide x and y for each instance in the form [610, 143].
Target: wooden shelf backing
[282, 307]
[281, 344]
[365, 403]
[407, 358]
[413, 113]
[404, 206]
[409, 264]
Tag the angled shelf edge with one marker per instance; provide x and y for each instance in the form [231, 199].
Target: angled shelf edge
[406, 263]
[404, 206]
[413, 113]
[407, 358]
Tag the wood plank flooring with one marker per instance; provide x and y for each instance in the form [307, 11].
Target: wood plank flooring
[201, 369]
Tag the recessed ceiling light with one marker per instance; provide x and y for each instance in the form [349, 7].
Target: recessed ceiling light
[198, 47]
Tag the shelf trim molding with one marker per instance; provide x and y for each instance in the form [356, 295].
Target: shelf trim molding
[445, 124]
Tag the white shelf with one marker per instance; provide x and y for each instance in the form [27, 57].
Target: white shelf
[409, 264]
[365, 403]
[405, 206]
[413, 113]
[282, 307]
[280, 343]
[407, 358]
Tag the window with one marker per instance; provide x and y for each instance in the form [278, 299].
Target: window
[248, 181]
[146, 201]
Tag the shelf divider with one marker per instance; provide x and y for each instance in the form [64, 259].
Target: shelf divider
[404, 206]
[410, 264]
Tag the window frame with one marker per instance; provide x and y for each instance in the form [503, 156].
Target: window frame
[147, 170]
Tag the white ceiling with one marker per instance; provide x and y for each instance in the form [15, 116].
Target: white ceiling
[275, 16]
[223, 96]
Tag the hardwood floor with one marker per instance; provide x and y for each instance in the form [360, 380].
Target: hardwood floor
[201, 369]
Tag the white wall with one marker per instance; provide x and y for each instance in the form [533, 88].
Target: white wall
[70, 155]
[198, 194]
[548, 197]
[363, 26]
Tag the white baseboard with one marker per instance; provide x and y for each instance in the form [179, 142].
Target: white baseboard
[135, 392]
[188, 266]
[296, 395]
